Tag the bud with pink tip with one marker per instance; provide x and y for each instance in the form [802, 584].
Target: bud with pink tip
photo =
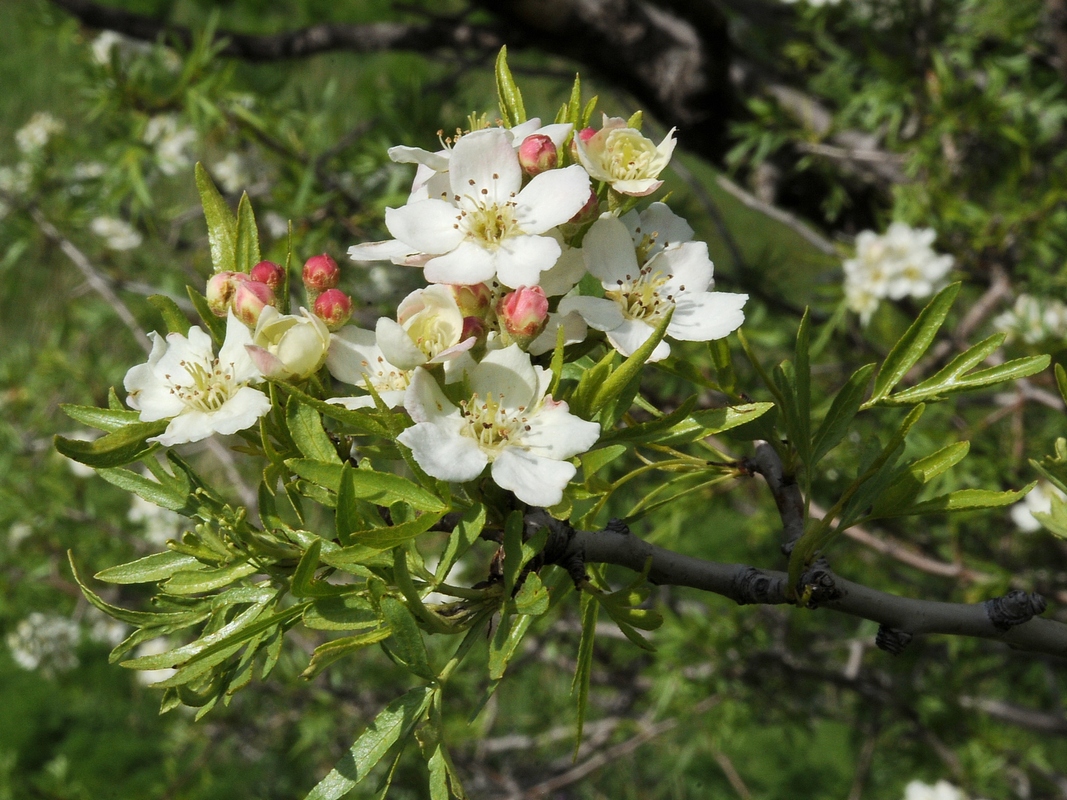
[333, 307]
[269, 273]
[537, 154]
[473, 326]
[473, 300]
[321, 273]
[249, 301]
[589, 212]
[585, 134]
[523, 314]
[220, 291]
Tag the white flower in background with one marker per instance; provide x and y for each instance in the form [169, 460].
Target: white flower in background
[356, 359]
[232, 173]
[289, 347]
[117, 234]
[431, 177]
[18, 533]
[1033, 319]
[277, 225]
[646, 278]
[942, 790]
[105, 629]
[815, 3]
[14, 181]
[160, 524]
[624, 158]
[507, 422]
[489, 225]
[107, 41]
[153, 647]
[1039, 499]
[899, 263]
[46, 642]
[200, 394]
[35, 134]
[87, 170]
[171, 142]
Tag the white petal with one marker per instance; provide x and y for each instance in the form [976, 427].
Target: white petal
[703, 316]
[425, 402]
[466, 265]
[402, 154]
[659, 222]
[520, 260]
[609, 251]
[508, 372]
[565, 273]
[556, 433]
[428, 226]
[631, 335]
[600, 313]
[690, 266]
[352, 351]
[233, 352]
[665, 149]
[240, 411]
[637, 188]
[557, 132]
[396, 345]
[552, 198]
[389, 250]
[445, 454]
[485, 167]
[574, 330]
[533, 479]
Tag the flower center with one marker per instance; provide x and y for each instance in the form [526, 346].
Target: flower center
[631, 157]
[210, 385]
[640, 297]
[432, 333]
[384, 377]
[489, 225]
[491, 424]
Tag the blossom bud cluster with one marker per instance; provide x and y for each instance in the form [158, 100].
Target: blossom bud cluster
[897, 264]
[1033, 320]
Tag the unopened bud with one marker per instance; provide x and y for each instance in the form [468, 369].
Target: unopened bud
[585, 134]
[321, 273]
[523, 313]
[249, 301]
[588, 212]
[473, 326]
[220, 291]
[333, 307]
[474, 300]
[269, 273]
[537, 154]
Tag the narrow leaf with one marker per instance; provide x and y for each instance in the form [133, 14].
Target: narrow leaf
[116, 448]
[511, 107]
[630, 368]
[305, 426]
[144, 488]
[221, 223]
[406, 642]
[103, 419]
[156, 567]
[326, 654]
[173, 317]
[247, 247]
[842, 411]
[584, 669]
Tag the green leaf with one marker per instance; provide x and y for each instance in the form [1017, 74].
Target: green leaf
[906, 486]
[173, 317]
[326, 654]
[216, 326]
[352, 612]
[701, 423]
[635, 120]
[506, 638]
[629, 369]
[354, 419]
[221, 223]
[511, 108]
[724, 366]
[532, 599]
[103, 419]
[382, 488]
[247, 246]
[406, 642]
[464, 535]
[584, 669]
[395, 721]
[913, 344]
[305, 426]
[802, 385]
[513, 529]
[156, 567]
[303, 582]
[1055, 521]
[965, 500]
[1061, 381]
[395, 535]
[116, 448]
[842, 411]
[596, 460]
[582, 398]
[207, 580]
[147, 489]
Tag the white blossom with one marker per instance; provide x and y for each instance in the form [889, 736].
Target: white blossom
[899, 263]
[160, 524]
[1033, 320]
[107, 41]
[289, 347]
[117, 234]
[171, 142]
[648, 265]
[34, 135]
[1038, 499]
[154, 647]
[489, 225]
[942, 790]
[277, 225]
[356, 359]
[232, 173]
[200, 394]
[506, 422]
[46, 642]
[624, 158]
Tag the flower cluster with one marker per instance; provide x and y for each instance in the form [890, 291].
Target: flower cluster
[942, 790]
[900, 263]
[506, 223]
[1034, 320]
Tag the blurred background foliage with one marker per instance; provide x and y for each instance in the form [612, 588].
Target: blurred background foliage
[752, 702]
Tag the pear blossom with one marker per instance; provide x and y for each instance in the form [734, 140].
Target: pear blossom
[899, 263]
[46, 642]
[35, 134]
[171, 142]
[117, 234]
[645, 279]
[356, 359]
[1033, 320]
[489, 225]
[231, 173]
[1038, 499]
[289, 347]
[199, 393]
[624, 158]
[507, 422]
[428, 329]
[942, 790]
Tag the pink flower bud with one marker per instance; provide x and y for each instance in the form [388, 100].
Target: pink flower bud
[473, 326]
[220, 290]
[269, 273]
[585, 134]
[523, 313]
[333, 307]
[249, 301]
[321, 273]
[473, 301]
[588, 212]
[537, 154]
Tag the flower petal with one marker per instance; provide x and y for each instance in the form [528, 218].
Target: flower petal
[445, 454]
[396, 345]
[466, 265]
[556, 433]
[552, 198]
[352, 351]
[574, 330]
[425, 402]
[507, 372]
[703, 316]
[388, 250]
[533, 479]
[564, 275]
[485, 168]
[609, 251]
[660, 223]
[632, 334]
[402, 154]
[637, 188]
[690, 266]
[520, 260]
[600, 313]
[428, 226]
